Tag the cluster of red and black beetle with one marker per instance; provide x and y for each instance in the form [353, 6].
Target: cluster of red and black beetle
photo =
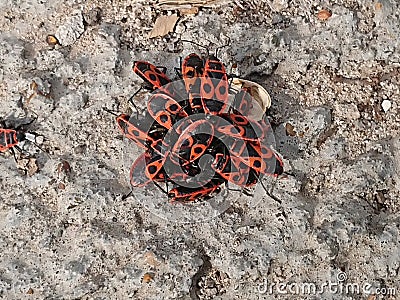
[197, 133]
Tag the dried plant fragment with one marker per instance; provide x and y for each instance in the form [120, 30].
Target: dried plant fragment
[324, 15]
[163, 26]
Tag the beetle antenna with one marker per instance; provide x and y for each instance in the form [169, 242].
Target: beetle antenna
[268, 192]
[127, 195]
[220, 47]
[288, 173]
[197, 44]
[13, 153]
[36, 115]
[130, 100]
[110, 111]
[41, 149]
[20, 150]
[162, 190]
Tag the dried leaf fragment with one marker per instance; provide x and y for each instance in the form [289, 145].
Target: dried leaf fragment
[29, 165]
[163, 25]
[290, 130]
[148, 277]
[177, 4]
[32, 167]
[189, 11]
[324, 15]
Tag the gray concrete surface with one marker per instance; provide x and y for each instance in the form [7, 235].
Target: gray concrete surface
[66, 233]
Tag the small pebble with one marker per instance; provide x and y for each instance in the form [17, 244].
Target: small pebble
[324, 15]
[51, 40]
[386, 105]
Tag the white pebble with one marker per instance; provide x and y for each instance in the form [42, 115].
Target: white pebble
[386, 105]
